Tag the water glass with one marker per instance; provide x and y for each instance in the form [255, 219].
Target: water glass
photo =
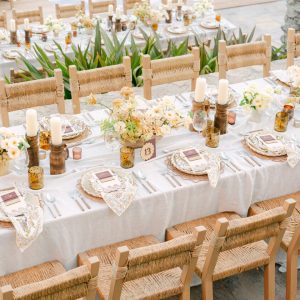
[199, 120]
[126, 157]
[36, 178]
[281, 121]
[212, 137]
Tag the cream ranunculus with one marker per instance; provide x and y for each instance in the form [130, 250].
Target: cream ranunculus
[13, 152]
[4, 144]
[13, 142]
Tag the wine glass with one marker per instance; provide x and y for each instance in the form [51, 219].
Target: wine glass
[199, 119]
[111, 140]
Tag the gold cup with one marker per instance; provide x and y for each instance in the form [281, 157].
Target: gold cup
[126, 157]
[212, 137]
[154, 26]
[36, 178]
[281, 121]
[45, 139]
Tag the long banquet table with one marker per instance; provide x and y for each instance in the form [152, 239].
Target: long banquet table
[64, 237]
[84, 39]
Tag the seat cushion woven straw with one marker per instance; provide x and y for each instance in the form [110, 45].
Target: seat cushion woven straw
[156, 286]
[34, 274]
[294, 220]
[230, 262]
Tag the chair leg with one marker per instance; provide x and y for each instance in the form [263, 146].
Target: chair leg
[269, 281]
[207, 290]
[291, 275]
[185, 294]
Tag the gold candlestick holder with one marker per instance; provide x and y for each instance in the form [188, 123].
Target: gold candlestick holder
[118, 25]
[58, 156]
[13, 37]
[110, 23]
[169, 19]
[33, 151]
[221, 117]
[27, 39]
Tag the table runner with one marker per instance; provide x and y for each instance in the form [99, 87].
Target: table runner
[76, 231]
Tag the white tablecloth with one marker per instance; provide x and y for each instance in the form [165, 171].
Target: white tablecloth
[76, 231]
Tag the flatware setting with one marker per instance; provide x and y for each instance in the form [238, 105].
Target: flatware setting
[142, 179]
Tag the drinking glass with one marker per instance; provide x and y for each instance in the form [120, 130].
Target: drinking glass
[281, 121]
[212, 138]
[111, 140]
[199, 119]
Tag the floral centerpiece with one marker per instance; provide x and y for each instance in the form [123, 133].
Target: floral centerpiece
[294, 78]
[84, 21]
[135, 126]
[54, 25]
[256, 100]
[202, 7]
[10, 148]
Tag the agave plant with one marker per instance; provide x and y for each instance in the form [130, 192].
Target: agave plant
[279, 52]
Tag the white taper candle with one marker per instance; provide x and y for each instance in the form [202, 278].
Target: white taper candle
[55, 128]
[223, 91]
[200, 89]
[31, 123]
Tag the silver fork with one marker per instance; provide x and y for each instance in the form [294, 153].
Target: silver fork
[169, 178]
[230, 163]
[246, 154]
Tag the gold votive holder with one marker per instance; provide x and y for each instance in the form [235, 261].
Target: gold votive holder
[58, 155]
[68, 38]
[36, 178]
[154, 26]
[126, 157]
[212, 137]
[186, 19]
[207, 127]
[281, 121]
[289, 108]
[231, 117]
[13, 37]
[33, 151]
[28, 39]
[77, 153]
[45, 139]
[221, 119]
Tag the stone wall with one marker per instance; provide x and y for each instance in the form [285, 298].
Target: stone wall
[292, 17]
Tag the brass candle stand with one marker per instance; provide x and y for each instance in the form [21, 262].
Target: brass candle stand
[27, 39]
[13, 37]
[221, 117]
[58, 156]
[33, 151]
[118, 25]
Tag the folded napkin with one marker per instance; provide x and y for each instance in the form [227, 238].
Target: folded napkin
[118, 193]
[293, 155]
[27, 218]
[283, 76]
[271, 143]
[213, 172]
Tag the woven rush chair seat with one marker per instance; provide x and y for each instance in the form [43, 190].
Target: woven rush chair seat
[234, 244]
[152, 269]
[34, 274]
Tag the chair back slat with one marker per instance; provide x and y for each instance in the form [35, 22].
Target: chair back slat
[68, 11]
[98, 7]
[34, 16]
[22, 95]
[167, 70]
[245, 55]
[98, 81]
[129, 4]
[74, 284]
[3, 20]
[140, 262]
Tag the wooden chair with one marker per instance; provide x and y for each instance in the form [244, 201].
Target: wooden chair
[50, 280]
[3, 20]
[99, 7]
[237, 245]
[34, 16]
[68, 11]
[144, 268]
[245, 55]
[167, 70]
[97, 81]
[33, 93]
[293, 46]
[291, 239]
[129, 4]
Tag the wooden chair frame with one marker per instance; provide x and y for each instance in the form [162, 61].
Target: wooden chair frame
[36, 15]
[68, 11]
[30, 86]
[293, 46]
[152, 70]
[123, 256]
[215, 247]
[3, 19]
[129, 4]
[7, 292]
[245, 55]
[98, 7]
[122, 71]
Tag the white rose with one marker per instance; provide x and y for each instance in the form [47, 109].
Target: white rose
[120, 127]
[13, 152]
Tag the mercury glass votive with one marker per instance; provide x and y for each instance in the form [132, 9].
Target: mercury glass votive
[45, 139]
[126, 157]
[77, 153]
[36, 178]
[212, 137]
[281, 121]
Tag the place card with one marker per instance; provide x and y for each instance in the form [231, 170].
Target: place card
[271, 142]
[69, 129]
[193, 157]
[12, 202]
[106, 178]
[148, 151]
[268, 139]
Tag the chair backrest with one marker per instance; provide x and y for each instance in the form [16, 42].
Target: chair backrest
[34, 16]
[293, 46]
[98, 7]
[33, 93]
[239, 232]
[129, 4]
[245, 55]
[173, 1]
[167, 70]
[97, 81]
[68, 11]
[140, 262]
[74, 284]
[16, 76]
[3, 20]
